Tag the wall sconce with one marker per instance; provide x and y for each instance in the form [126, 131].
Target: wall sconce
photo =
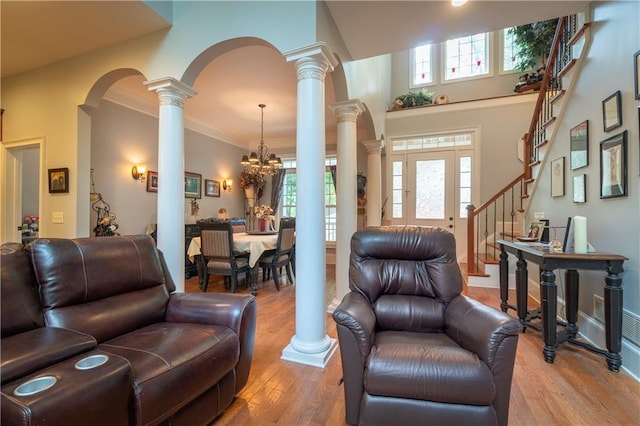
[226, 184]
[138, 171]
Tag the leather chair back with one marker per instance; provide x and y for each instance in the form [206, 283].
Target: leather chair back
[104, 287]
[407, 278]
[20, 304]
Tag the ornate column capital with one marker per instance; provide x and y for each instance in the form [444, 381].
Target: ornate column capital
[313, 62]
[170, 91]
[375, 146]
[347, 111]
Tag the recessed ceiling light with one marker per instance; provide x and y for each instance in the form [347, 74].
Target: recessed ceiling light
[457, 3]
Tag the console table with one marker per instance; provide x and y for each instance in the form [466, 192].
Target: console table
[548, 261]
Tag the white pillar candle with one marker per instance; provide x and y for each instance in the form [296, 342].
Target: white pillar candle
[580, 234]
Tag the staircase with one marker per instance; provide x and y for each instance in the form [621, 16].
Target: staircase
[502, 215]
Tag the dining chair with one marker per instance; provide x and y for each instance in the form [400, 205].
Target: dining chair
[274, 260]
[238, 224]
[217, 255]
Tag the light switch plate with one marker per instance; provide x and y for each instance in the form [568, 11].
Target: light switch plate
[539, 215]
[57, 217]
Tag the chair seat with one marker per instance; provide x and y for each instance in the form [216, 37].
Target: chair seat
[427, 366]
[224, 267]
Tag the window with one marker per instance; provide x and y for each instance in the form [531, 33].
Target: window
[466, 57]
[289, 196]
[396, 189]
[422, 65]
[509, 51]
[464, 168]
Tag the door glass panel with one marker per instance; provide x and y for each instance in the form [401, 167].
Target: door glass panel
[465, 185]
[430, 189]
[397, 189]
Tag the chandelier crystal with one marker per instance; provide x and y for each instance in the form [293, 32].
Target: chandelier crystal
[261, 162]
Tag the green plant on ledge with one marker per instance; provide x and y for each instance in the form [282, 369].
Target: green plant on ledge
[534, 43]
[412, 99]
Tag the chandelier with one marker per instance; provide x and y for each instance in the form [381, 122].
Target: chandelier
[261, 162]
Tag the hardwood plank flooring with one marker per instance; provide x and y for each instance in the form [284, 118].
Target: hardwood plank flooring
[577, 389]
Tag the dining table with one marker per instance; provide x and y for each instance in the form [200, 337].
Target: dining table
[255, 243]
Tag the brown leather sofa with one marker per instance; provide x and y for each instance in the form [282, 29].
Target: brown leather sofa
[414, 350]
[160, 357]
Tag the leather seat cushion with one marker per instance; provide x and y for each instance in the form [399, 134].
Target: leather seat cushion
[173, 363]
[427, 366]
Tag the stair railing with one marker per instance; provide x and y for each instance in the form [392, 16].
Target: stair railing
[496, 218]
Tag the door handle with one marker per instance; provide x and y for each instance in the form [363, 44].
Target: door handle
[450, 226]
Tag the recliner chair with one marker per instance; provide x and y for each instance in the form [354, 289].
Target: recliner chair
[414, 349]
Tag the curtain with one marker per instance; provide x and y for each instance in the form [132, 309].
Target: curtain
[332, 169]
[277, 182]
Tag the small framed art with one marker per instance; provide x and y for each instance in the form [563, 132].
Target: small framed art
[192, 185]
[580, 188]
[636, 73]
[612, 111]
[557, 177]
[58, 180]
[613, 166]
[535, 230]
[211, 188]
[579, 145]
[152, 181]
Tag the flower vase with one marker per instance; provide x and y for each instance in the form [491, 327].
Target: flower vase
[250, 193]
[263, 224]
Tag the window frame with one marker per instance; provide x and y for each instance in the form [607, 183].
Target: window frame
[502, 54]
[433, 48]
[489, 40]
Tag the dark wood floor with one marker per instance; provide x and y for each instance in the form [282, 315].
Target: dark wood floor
[577, 389]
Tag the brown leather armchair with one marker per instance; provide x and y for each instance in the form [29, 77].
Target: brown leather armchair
[414, 350]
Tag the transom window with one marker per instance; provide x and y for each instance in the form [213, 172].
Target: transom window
[434, 141]
[422, 65]
[466, 56]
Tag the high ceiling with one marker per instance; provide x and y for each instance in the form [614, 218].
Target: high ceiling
[38, 33]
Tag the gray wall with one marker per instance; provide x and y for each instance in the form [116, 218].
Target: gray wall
[122, 137]
[613, 224]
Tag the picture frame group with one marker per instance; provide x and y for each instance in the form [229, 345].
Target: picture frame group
[192, 184]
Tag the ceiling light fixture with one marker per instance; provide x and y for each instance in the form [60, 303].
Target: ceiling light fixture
[458, 3]
[261, 162]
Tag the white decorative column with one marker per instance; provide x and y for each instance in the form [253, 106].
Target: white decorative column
[310, 345]
[346, 191]
[172, 94]
[374, 182]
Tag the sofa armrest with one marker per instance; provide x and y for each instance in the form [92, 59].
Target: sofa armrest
[356, 323]
[355, 313]
[236, 311]
[36, 349]
[479, 328]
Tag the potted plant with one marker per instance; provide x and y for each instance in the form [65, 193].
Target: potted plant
[411, 99]
[534, 43]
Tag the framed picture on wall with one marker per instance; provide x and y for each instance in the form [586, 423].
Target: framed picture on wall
[613, 166]
[580, 188]
[192, 185]
[636, 73]
[557, 177]
[211, 188]
[58, 180]
[612, 111]
[152, 181]
[579, 145]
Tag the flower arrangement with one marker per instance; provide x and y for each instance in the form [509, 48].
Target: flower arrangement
[263, 211]
[256, 180]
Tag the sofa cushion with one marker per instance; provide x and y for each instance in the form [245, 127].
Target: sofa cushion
[104, 287]
[427, 366]
[173, 363]
[20, 310]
